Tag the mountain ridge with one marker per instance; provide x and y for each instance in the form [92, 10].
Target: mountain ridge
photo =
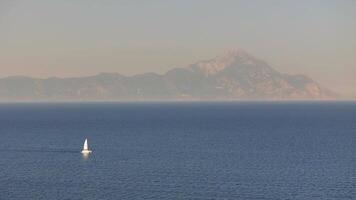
[235, 75]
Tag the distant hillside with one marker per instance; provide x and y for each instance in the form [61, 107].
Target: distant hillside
[233, 76]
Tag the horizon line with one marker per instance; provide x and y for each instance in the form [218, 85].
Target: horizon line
[183, 101]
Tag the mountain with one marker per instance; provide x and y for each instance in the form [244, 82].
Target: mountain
[235, 75]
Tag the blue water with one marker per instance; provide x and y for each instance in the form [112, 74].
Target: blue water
[178, 151]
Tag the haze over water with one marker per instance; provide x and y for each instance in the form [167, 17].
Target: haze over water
[294, 150]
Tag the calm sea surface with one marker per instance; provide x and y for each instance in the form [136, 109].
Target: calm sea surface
[178, 151]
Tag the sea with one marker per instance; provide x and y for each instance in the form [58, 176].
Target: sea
[178, 150]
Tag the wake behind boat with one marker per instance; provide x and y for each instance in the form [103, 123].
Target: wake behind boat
[85, 148]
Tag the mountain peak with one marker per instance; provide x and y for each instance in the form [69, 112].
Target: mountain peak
[239, 55]
[232, 58]
[236, 52]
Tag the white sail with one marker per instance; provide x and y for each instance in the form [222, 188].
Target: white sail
[85, 147]
[86, 150]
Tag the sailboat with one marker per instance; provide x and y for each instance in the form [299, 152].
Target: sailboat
[85, 148]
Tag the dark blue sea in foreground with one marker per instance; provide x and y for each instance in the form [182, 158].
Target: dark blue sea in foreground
[295, 150]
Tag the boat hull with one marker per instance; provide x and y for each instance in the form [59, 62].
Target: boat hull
[86, 152]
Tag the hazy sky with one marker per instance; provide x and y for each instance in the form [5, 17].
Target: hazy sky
[42, 38]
